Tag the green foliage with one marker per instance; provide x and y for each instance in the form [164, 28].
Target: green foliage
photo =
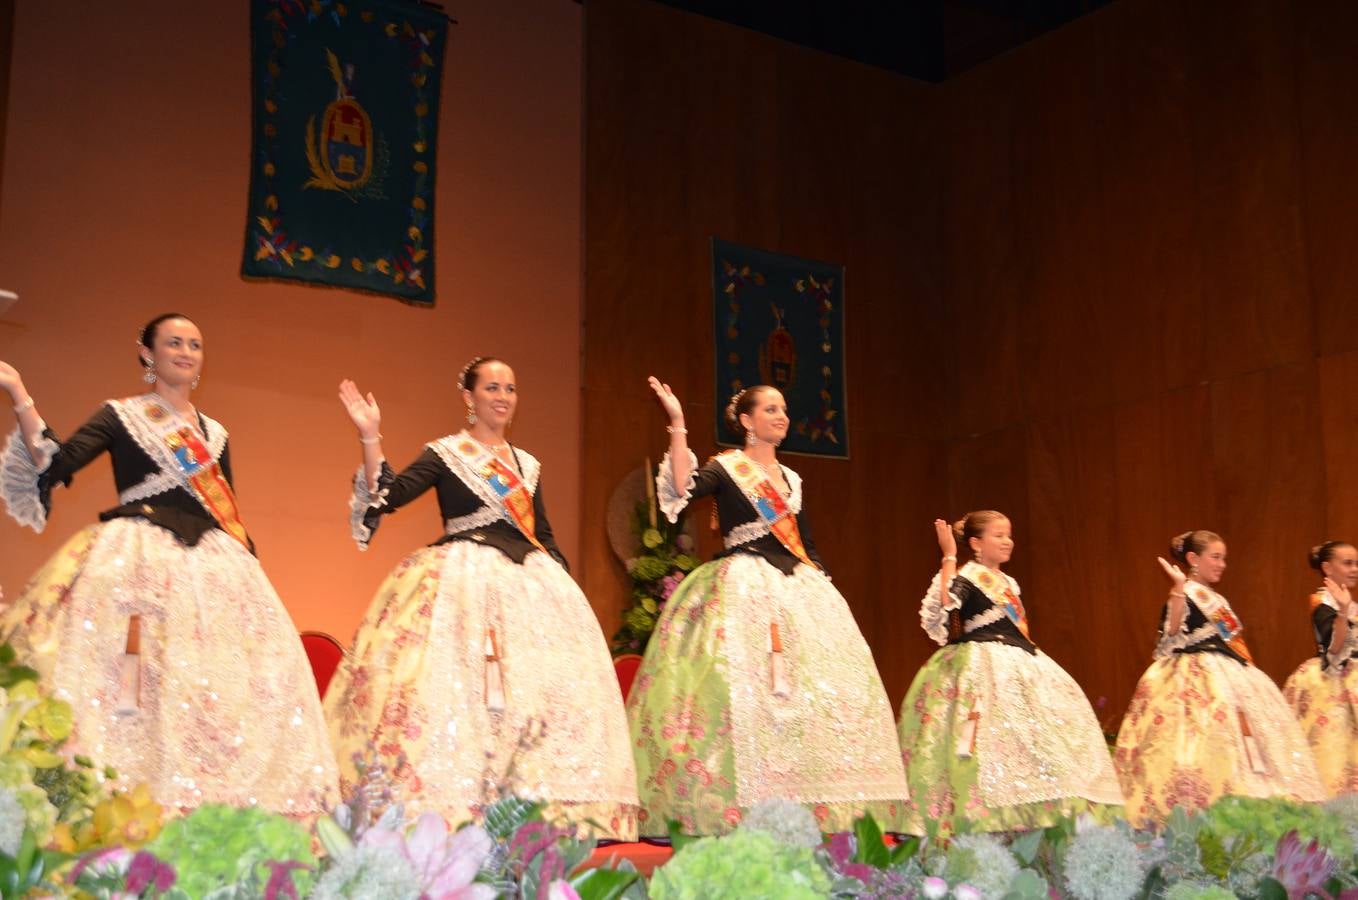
[659, 564]
[742, 864]
[217, 847]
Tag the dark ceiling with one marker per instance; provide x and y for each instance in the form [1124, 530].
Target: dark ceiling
[931, 40]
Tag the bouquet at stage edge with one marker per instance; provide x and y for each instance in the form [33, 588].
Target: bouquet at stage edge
[664, 557]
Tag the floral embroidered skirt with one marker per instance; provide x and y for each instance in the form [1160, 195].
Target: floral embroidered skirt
[1202, 726]
[415, 688]
[997, 739]
[1323, 701]
[227, 710]
[712, 735]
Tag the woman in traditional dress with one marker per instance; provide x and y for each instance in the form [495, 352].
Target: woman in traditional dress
[158, 625]
[1322, 690]
[757, 682]
[1204, 722]
[480, 665]
[995, 735]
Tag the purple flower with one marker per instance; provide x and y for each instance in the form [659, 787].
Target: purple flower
[841, 848]
[1302, 870]
[669, 584]
[280, 880]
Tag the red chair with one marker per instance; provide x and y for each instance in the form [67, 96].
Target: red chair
[324, 653]
[626, 666]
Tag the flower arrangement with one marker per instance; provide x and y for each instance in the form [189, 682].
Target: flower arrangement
[664, 557]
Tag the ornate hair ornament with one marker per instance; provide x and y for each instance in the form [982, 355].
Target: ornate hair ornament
[462, 376]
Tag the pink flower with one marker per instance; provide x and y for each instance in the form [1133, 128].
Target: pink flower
[561, 890]
[446, 864]
[1302, 870]
[669, 584]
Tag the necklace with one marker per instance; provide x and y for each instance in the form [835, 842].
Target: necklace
[493, 448]
[768, 474]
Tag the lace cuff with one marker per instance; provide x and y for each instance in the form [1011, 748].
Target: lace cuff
[22, 490]
[934, 610]
[365, 505]
[1170, 643]
[668, 497]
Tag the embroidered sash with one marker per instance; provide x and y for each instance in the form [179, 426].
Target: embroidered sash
[767, 501]
[503, 482]
[999, 591]
[1221, 618]
[174, 445]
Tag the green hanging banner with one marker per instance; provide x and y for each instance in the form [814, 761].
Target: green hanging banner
[345, 105]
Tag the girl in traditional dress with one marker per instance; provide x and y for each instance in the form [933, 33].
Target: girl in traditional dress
[1204, 722]
[480, 663]
[158, 625]
[757, 682]
[995, 735]
[1322, 690]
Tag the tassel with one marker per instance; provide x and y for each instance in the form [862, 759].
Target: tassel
[777, 671]
[129, 670]
[495, 685]
[1252, 755]
[966, 747]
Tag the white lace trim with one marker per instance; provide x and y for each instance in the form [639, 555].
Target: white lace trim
[19, 478]
[667, 496]
[744, 533]
[360, 502]
[479, 519]
[933, 611]
[981, 620]
[155, 483]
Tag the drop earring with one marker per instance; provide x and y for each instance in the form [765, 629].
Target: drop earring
[471, 416]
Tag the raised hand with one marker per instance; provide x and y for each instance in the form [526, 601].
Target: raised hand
[10, 382]
[363, 411]
[1340, 593]
[673, 409]
[1175, 574]
[947, 541]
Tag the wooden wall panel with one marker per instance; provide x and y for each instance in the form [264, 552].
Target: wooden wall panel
[1102, 283]
[1327, 82]
[1242, 103]
[1338, 376]
[695, 129]
[1270, 484]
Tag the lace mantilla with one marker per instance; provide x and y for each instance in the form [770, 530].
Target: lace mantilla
[1337, 663]
[19, 478]
[479, 519]
[1210, 603]
[744, 533]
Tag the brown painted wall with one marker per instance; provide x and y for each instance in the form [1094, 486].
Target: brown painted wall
[124, 182]
[1102, 283]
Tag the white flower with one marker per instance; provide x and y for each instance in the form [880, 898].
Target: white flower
[12, 822]
[1104, 864]
[966, 892]
[368, 872]
[982, 863]
[785, 821]
[935, 888]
